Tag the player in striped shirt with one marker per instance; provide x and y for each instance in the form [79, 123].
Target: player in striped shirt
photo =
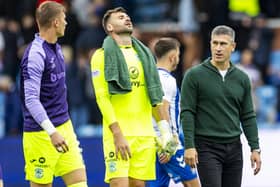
[167, 51]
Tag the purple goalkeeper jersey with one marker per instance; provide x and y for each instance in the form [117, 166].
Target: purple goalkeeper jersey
[42, 87]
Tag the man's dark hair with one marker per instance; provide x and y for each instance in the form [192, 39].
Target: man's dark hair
[164, 45]
[108, 14]
[224, 30]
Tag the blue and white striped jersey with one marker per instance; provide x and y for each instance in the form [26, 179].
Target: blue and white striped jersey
[172, 95]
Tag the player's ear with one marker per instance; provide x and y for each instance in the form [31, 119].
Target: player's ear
[109, 27]
[55, 22]
[172, 56]
[233, 46]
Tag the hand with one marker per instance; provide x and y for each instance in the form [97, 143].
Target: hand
[171, 146]
[165, 132]
[191, 157]
[59, 142]
[162, 155]
[121, 146]
[256, 162]
[165, 153]
[163, 158]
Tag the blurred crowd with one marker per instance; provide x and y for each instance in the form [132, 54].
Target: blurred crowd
[256, 22]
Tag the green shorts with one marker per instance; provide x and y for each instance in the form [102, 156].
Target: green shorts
[43, 162]
[140, 166]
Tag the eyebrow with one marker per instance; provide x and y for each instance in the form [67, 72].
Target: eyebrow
[222, 42]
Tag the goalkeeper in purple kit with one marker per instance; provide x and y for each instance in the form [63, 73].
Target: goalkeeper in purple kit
[50, 144]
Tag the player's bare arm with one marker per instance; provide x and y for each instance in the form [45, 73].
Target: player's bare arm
[120, 142]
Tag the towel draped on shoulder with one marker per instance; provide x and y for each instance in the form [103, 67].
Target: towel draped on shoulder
[116, 71]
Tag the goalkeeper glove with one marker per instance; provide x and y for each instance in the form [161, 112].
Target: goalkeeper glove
[168, 141]
[170, 149]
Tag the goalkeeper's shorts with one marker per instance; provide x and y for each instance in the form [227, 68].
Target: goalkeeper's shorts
[140, 166]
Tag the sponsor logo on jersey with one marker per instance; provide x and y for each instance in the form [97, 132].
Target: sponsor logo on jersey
[95, 73]
[55, 77]
[181, 161]
[111, 154]
[52, 63]
[42, 160]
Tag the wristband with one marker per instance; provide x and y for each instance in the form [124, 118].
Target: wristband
[164, 126]
[257, 150]
[165, 132]
[48, 126]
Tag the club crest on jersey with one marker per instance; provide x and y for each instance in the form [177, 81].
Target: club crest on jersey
[112, 166]
[39, 173]
[133, 72]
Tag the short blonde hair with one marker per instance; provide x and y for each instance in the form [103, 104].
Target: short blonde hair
[47, 12]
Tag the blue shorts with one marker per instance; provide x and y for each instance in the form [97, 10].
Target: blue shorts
[175, 169]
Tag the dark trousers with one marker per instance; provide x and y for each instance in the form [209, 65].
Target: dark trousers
[220, 165]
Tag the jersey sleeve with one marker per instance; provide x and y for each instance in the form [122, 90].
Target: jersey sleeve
[100, 86]
[32, 83]
[169, 88]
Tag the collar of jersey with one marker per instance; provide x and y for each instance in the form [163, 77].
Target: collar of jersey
[125, 46]
[165, 70]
